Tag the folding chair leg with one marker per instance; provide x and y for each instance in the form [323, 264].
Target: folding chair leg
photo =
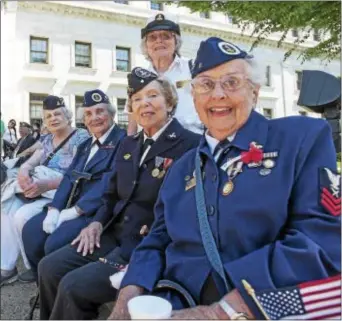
[33, 307]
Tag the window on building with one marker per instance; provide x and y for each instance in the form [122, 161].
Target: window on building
[123, 59]
[82, 54]
[229, 19]
[122, 116]
[155, 5]
[205, 15]
[299, 76]
[79, 112]
[268, 113]
[295, 33]
[121, 1]
[36, 108]
[303, 113]
[39, 50]
[268, 76]
[316, 35]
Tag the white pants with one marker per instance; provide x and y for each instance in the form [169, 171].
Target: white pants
[14, 215]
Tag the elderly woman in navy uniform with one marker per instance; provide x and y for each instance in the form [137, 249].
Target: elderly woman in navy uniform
[73, 276]
[160, 43]
[246, 204]
[79, 194]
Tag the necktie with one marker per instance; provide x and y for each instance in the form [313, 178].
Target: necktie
[221, 150]
[97, 142]
[148, 142]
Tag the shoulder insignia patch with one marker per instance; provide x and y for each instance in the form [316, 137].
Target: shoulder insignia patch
[330, 191]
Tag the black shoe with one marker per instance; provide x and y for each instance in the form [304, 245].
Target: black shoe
[10, 278]
[27, 277]
[32, 300]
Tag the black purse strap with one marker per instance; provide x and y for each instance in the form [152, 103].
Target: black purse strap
[53, 153]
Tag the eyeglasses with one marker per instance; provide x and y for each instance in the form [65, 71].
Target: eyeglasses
[164, 36]
[229, 83]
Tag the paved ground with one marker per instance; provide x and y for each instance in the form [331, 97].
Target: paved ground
[15, 299]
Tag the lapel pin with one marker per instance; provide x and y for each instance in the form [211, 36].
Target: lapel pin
[268, 163]
[127, 156]
[172, 135]
[265, 171]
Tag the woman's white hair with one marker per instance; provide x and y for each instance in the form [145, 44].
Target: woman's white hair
[255, 74]
[67, 113]
[110, 108]
[143, 46]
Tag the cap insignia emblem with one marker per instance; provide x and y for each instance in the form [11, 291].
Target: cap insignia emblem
[159, 17]
[228, 48]
[142, 73]
[96, 97]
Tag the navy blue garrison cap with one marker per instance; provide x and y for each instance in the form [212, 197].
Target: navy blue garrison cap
[94, 97]
[138, 79]
[214, 52]
[53, 102]
[160, 23]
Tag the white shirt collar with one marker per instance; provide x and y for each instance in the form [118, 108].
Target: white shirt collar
[159, 132]
[104, 136]
[175, 63]
[212, 142]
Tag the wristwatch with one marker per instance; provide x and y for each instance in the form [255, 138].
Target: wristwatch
[232, 314]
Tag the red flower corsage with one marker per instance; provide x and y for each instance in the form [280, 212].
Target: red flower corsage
[254, 155]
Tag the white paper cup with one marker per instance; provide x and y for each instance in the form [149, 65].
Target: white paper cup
[149, 307]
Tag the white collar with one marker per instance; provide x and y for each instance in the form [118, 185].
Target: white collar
[159, 132]
[175, 63]
[104, 136]
[212, 142]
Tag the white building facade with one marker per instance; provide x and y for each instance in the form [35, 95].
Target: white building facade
[67, 47]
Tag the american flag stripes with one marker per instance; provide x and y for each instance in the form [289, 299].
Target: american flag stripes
[315, 300]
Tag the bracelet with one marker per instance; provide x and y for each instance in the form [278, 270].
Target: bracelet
[232, 314]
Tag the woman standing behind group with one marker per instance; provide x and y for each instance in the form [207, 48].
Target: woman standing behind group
[160, 43]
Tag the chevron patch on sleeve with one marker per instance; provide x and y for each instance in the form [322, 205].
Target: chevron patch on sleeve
[330, 191]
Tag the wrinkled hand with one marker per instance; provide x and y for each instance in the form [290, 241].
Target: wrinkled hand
[196, 313]
[214, 311]
[24, 178]
[67, 215]
[120, 311]
[50, 221]
[88, 238]
[36, 188]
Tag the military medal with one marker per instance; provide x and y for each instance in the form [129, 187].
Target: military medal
[232, 171]
[161, 174]
[227, 188]
[155, 172]
[157, 162]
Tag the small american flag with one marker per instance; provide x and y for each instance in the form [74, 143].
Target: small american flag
[314, 300]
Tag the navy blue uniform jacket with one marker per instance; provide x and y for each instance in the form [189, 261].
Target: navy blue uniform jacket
[271, 230]
[99, 166]
[131, 196]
